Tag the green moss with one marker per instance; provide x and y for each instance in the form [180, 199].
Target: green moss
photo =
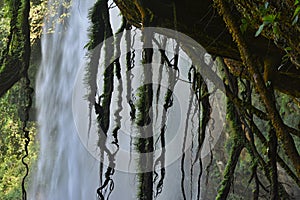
[237, 146]
[97, 29]
[144, 103]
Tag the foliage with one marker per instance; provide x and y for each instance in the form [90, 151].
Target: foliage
[56, 13]
[15, 56]
[12, 146]
[4, 27]
[14, 39]
[296, 13]
[268, 20]
[37, 13]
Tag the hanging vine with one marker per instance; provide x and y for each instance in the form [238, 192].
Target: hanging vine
[145, 145]
[16, 59]
[101, 31]
[94, 46]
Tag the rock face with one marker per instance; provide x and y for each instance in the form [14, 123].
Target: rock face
[199, 20]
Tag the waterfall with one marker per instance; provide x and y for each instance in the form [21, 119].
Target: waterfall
[65, 169]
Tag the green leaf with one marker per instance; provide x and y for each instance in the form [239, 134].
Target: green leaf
[269, 19]
[244, 25]
[295, 20]
[288, 48]
[261, 27]
[296, 11]
[276, 29]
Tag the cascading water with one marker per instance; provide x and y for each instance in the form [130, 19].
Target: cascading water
[62, 167]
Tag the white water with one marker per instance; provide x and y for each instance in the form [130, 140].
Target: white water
[60, 174]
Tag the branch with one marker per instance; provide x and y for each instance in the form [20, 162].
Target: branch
[253, 110]
[267, 97]
[16, 55]
[264, 141]
[238, 139]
